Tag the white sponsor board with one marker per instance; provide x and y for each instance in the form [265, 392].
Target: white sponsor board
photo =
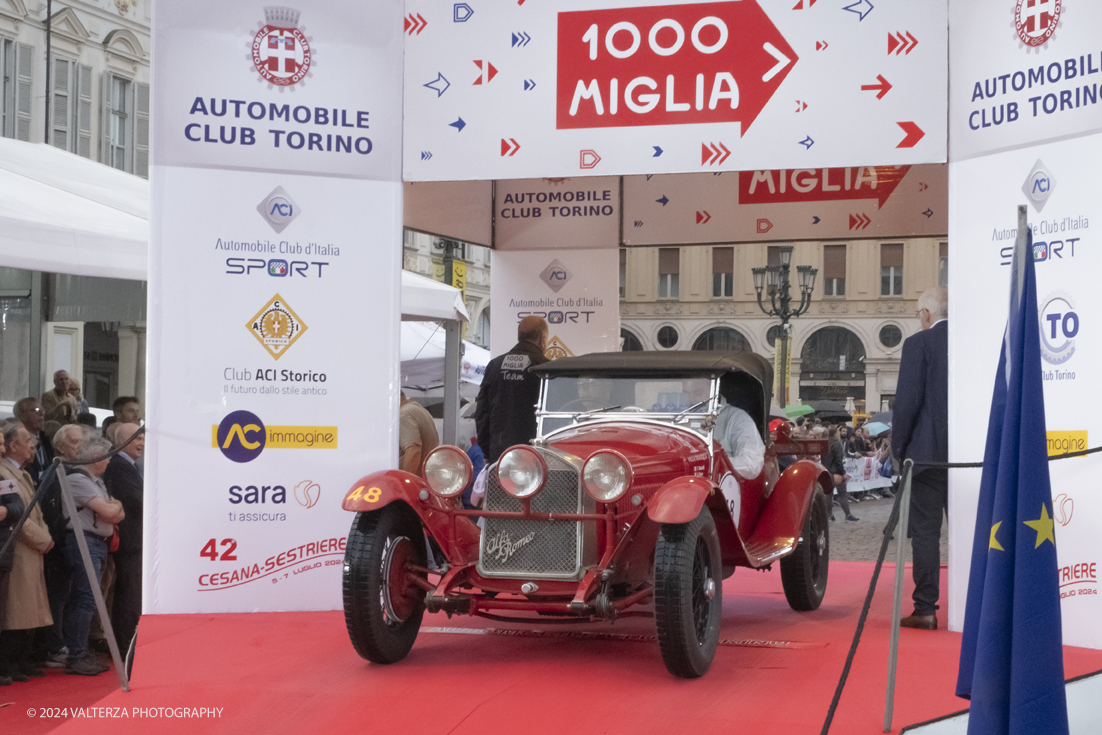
[1024, 72]
[598, 87]
[574, 290]
[259, 250]
[1057, 181]
[548, 214]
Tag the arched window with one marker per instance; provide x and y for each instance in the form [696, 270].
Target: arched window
[631, 342]
[722, 339]
[833, 349]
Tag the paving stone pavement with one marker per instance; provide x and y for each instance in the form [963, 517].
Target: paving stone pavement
[860, 540]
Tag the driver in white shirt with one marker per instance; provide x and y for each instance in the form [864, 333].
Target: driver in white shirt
[738, 435]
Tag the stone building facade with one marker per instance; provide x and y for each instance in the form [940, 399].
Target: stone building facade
[424, 254]
[847, 345]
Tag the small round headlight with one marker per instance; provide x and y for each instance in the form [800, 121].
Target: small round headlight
[447, 471]
[521, 471]
[606, 476]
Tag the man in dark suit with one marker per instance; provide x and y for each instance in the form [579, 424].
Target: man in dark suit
[125, 484]
[30, 414]
[920, 432]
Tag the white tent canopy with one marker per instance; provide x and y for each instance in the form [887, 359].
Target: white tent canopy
[65, 214]
[423, 350]
[61, 213]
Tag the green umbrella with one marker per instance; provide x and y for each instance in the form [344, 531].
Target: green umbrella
[798, 409]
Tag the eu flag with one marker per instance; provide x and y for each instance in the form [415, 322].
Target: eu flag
[1011, 658]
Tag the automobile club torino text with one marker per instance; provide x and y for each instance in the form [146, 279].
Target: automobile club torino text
[319, 137]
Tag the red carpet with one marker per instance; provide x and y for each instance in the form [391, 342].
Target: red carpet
[297, 672]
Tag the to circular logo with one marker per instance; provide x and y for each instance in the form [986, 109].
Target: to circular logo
[1059, 327]
[281, 55]
[241, 436]
[1036, 20]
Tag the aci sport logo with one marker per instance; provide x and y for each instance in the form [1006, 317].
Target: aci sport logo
[242, 436]
[278, 209]
[280, 52]
[1038, 186]
[555, 275]
[1059, 327]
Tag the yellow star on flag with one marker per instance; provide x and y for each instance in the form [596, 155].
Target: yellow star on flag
[994, 541]
[1044, 527]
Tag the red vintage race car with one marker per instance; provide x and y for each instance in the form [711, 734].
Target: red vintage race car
[624, 505]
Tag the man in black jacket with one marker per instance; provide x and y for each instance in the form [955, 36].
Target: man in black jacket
[30, 414]
[506, 413]
[920, 432]
[125, 484]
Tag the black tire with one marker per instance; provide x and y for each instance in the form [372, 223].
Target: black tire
[804, 571]
[687, 608]
[382, 611]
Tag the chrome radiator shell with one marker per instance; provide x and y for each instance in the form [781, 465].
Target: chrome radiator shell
[540, 549]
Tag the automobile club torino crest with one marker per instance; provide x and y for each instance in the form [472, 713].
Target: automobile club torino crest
[280, 51]
[1036, 21]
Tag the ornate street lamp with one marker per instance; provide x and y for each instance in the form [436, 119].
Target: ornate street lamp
[774, 280]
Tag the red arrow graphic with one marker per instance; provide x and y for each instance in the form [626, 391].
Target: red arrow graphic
[821, 45]
[702, 218]
[489, 71]
[859, 221]
[713, 154]
[901, 43]
[884, 86]
[914, 134]
[731, 83]
[589, 159]
[414, 24]
[764, 226]
[509, 146]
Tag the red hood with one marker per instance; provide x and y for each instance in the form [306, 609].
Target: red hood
[656, 453]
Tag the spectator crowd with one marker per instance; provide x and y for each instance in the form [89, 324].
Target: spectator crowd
[47, 604]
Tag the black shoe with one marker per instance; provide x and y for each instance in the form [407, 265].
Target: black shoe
[921, 622]
[852, 518]
[5, 681]
[18, 676]
[33, 671]
[86, 665]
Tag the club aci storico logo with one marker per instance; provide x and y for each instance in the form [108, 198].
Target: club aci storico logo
[276, 326]
[1038, 186]
[278, 209]
[1035, 21]
[280, 52]
[555, 275]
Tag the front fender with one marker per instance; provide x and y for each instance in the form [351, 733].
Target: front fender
[680, 500]
[456, 536]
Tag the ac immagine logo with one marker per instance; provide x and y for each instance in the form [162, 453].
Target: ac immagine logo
[242, 436]
[276, 326]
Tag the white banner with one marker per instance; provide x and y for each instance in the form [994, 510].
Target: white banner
[1024, 72]
[1057, 181]
[549, 214]
[591, 87]
[275, 196]
[574, 290]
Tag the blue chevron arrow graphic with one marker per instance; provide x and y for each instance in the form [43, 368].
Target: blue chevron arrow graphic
[663, 201]
[521, 39]
[529, 84]
[816, 220]
[426, 155]
[657, 151]
[434, 85]
[807, 142]
[861, 7]
[458, 125]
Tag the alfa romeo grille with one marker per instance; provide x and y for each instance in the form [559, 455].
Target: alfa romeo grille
[530, 548]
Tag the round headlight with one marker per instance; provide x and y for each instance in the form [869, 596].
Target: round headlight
[447, 471]
[521, 471]
[606, 476]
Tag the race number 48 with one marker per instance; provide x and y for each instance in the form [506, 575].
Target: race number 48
[210, 550]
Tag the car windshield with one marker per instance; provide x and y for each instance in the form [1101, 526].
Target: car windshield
[583, 396]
